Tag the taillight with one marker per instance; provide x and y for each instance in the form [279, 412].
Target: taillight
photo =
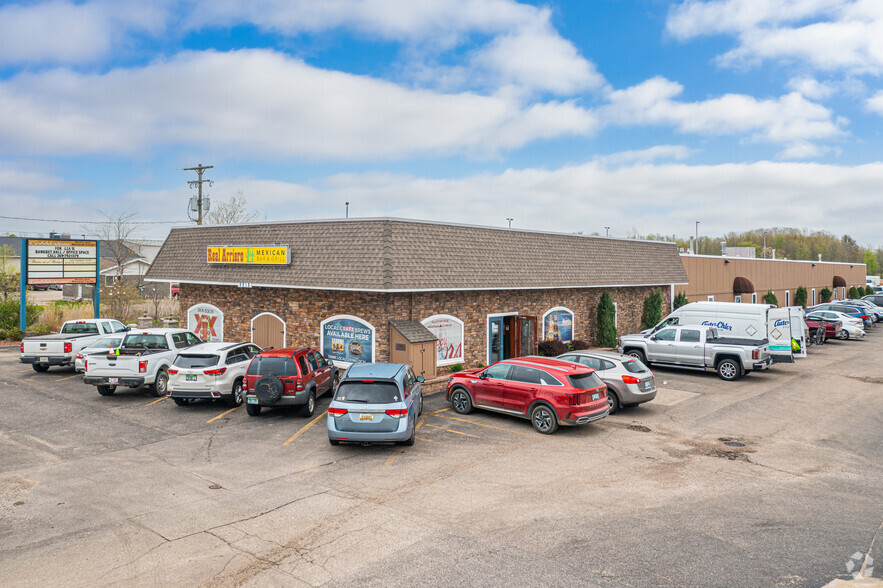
[68, 346]
[216, 372]
[755, 354]
[631, 380]
[173, 371]
[22, 347]
[299, 385]
[245, 385]
[86, 366]
[79, 356]
[142, 367]
[397, 413]
[336, 412]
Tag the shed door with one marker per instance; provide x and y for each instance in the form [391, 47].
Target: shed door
[268, 330]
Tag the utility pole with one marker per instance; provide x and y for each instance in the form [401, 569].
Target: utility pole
[199, 169]
[696, 242]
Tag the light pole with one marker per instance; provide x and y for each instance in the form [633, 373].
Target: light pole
[696, 240]
[347, 209]
[608, 231]
[764, 244]
[510, 221]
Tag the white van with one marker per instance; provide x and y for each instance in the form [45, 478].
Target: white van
[745, 321]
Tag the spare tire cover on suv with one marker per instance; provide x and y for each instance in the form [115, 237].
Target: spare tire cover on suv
[268, 389]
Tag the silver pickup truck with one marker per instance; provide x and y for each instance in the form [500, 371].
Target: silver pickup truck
[61, 349]
[698, 347]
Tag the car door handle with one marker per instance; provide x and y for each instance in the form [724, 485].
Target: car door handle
[534, 389]
[499, 384]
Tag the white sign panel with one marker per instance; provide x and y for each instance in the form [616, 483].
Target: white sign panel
[53, 261]
[207, 321]
[449, 331]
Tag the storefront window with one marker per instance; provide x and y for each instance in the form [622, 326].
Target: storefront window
[558, 324]
[347, 340]
[449, 331]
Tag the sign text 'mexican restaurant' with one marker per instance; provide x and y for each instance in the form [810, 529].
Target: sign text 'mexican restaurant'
[249, 255]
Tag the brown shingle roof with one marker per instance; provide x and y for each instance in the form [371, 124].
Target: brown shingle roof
[413, 331]
[406, 255]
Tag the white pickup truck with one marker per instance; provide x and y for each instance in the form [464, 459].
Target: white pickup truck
[143, 359]
[61, 349]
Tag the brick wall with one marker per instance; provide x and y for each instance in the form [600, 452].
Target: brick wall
[304, 310]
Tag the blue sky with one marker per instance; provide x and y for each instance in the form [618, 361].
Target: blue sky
[640, 115]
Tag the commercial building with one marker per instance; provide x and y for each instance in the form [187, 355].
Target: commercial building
[349, 287]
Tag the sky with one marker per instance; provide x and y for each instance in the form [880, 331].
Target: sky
[594, 116]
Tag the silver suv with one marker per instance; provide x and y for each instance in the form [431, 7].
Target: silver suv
[211, 371]
[629, 381]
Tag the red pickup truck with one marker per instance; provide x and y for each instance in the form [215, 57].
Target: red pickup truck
[832, 327]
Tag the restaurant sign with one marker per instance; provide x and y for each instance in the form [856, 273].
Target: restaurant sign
[61, 262]
[207, 321]
[449, 331]
[249, 255]
[347, 340]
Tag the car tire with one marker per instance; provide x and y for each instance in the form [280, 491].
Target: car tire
[334, 441]
[40, 368]
[161, 385]
[307, 409]
[729, 370]
[253, 409]
[843, 335]
[461, 401]
[181, 401]
[268, 389]
[420, 410]
[613, 401]
[544, 419]
[637, 354]
[236, 396]
[335, 382]
[106, 390]
[410, 440]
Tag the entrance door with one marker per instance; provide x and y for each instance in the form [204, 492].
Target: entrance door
[496, 349]
[527, 336]
[268, 330]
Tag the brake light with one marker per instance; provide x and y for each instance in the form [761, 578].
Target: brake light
[216, 372]
[755, 354]
[22, 347]
[336, 412]
[397, 413]
[631, 380]
[68, 346]
[299, 385]
[142, 366]
[79, 356]
[245, 385]
[173, 371]
[86, 366]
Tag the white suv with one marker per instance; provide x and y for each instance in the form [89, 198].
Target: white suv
[211, 371]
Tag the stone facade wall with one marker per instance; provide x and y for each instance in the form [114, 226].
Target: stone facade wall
[304, 310]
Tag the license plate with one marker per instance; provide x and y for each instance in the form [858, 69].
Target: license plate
[44, 359]
[251, 401]
[596, 396]
[366, 417]
[113, 380]
[190, 377]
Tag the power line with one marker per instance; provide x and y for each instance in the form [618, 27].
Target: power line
[88, 222]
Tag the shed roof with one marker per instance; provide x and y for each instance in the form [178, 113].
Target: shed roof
[398, 255]
[413, 331]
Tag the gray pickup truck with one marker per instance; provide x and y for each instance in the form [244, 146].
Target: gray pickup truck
[698, 347]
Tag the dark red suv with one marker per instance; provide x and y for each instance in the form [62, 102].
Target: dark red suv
[288, 377]
[549, 392]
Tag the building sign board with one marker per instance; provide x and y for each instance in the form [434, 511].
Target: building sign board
[207, 321]
[51, 261]
[249, 255]
[558, 324]
[449, 331]
[347, 340]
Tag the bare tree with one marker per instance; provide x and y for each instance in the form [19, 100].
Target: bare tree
[230, 212]
[114, 234]
[9, 278]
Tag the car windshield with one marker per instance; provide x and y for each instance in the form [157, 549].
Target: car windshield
[196, 361]
[79, 328]
[368, 392]
[634, 366]
[585, 381]
[147, 341]
[105, 343]
[267, 366]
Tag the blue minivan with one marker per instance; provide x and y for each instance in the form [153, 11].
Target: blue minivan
[376, 403]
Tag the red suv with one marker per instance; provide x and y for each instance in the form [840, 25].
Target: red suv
[288, 377]
[549, 392]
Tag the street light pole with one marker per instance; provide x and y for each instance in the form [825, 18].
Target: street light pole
[347, 210]
[696, 241]
[608, 231]
[764, 244]
[510, 221]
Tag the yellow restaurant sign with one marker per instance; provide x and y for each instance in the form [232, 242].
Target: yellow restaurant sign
[254, 255]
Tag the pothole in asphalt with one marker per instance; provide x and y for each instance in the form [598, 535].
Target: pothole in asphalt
[639, 428]
[731, 442]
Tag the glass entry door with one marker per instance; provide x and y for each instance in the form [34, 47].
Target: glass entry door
[495, 339]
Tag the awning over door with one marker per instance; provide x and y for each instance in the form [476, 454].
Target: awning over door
[839, 282]
[742, 286]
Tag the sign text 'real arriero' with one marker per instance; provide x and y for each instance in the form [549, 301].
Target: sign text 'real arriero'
[249, 255]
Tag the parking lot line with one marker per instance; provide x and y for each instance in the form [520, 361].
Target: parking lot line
[222, 414]
[307, 426]
[69, 377]
[442, 410]
[393, 456]
[416, 428]
[465, 434]
[484, 425]
[431, 441]
[157, 400]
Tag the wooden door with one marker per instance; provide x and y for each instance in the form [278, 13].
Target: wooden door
[526, 336]
[268, 330]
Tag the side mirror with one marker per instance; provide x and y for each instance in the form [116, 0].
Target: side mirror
[482, 375]
[329, 362]
[421, 379]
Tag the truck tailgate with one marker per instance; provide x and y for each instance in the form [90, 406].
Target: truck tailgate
[112, 365]
[44, 346]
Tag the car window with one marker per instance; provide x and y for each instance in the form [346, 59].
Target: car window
[236, 356]
[666, 335]
[192, 339]
[196, 360]
[367, 392]
[146, 341]
[312, 360]
[689, 336]
[179, 340]
[253, 350]
[408, 382]
[321, 360]
[267, 366]
[592, 362]
[303, 365]
[607, 365]
[634, 366]
[118, 327]
[105, 343]
[79, 329]
[572, 358]
[105, 325]
[547, 379]
[497, 371]
[527, 375]
[585, 381]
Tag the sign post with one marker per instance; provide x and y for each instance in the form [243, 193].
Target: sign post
[23, 278]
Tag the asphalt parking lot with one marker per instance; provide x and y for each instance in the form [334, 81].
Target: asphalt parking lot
[774, 480]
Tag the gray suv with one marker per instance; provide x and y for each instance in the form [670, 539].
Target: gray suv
[629, 381]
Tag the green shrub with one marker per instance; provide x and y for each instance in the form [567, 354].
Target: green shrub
[825, 295]
[457, 367]
[652, 309]
[14, 334]
[606, 321]
[480, 364]
[680, 300]
[576, 345]
[770, 298]
[551, 348]
[869, 290]
[853, 292]
[9, 313]
[800, 297]
[42, 329]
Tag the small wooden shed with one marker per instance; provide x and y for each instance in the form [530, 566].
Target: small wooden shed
[412, 343]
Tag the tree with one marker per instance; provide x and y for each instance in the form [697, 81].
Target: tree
[231, 212]
[853, 292]
[680, 300]
[606, 321]
[825, 294]
[871, 263]
[770, 298]
[10, 280]
[800, 296]
[114, 233]
[652, 309]
[869, 290]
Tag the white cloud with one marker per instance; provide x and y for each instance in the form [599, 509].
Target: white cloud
[791, 119]
[875, 103]
[646, 155]
[811, 88]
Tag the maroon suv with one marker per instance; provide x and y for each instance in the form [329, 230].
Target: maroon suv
[549, 392]
[288, 377]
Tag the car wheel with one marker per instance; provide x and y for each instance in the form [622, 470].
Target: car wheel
[544, 419]
[461, 401]
[181, 401]
[106, 390]
[161, 384]
[843, 335]
[637, 354]
[335, 382]
[253, 409]
[410, 440]
[334, 441]
[309, 408]
[613, 401]
[420, 410]
[729, 369]
[40, 368]
[236, 395]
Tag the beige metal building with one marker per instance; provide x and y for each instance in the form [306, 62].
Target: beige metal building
[740, 279]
